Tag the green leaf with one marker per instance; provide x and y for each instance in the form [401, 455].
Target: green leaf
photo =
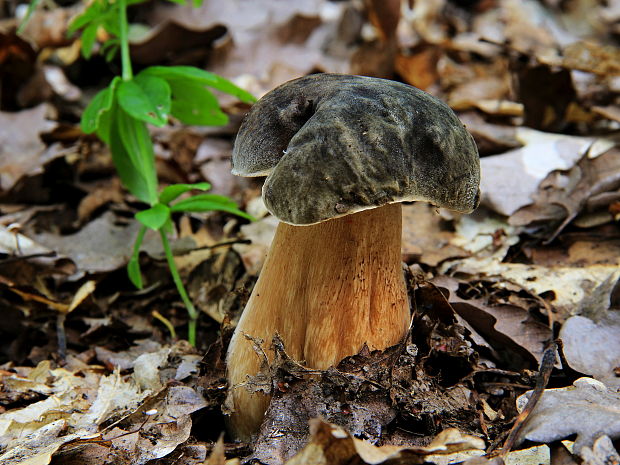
[133, 267]
[105, 124]
[89, 36]
[111, 23]
[90, 15]
[98, 106]
[134, 272]
[146, 98]
[199, 76]
[137, 140]
[209, 202]
[132, 153]
[222, 199]
[110, 48]
[155, 217]
[170, 193]
[193, 104]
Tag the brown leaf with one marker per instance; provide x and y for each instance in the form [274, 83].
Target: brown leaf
[175, 43]
[100, 195]
[384, 15]
[560, 201]
[217, 456]
[419, 66]
[258, 41]
[505, 327]
[592, 57]
[425, 238]
[546, 93]
[21, 150]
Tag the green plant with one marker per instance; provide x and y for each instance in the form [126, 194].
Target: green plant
[119, 115]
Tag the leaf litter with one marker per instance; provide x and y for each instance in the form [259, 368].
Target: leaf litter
[535, 84]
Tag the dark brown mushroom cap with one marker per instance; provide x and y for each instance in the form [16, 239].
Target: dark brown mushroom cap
[332, 145]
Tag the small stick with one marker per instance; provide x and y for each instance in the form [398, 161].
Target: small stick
[61, 335]
[570, 372]
[546, 366]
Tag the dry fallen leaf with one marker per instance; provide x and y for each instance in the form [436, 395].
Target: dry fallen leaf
[22, 152]
[505, 327]
[510, 180]
[602, 452]
[424, 239]
[101, 245]
[273, 42]
[78, 401]
[593, 347]
[331, 445]
[575, 290]
[587, 408]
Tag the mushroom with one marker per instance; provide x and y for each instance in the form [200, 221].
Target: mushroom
[340, 153]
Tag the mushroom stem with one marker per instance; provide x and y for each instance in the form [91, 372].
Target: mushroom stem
[327, 289]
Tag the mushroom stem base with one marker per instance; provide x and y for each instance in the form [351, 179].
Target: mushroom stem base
[327, 289]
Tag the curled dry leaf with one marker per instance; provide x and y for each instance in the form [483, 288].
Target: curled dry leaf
[575, 290]
[38, 446]
[504, 327]
[564, 194]
[510, 180]
[219, 286]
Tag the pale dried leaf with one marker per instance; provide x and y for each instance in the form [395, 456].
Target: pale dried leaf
[147, 366]
[37, 447]
[576, 290]
[602, 452]
[83, 292]
[587, 409]
[593, 347]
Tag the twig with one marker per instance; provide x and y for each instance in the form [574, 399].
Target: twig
[546, 366]
[570, 372]
[17, 258]
[61, 335]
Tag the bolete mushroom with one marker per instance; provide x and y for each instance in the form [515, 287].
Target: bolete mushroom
[340, 152]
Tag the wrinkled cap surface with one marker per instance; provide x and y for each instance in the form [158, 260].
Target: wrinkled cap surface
[331, 145]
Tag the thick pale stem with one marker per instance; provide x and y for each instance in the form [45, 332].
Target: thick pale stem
[327, 289]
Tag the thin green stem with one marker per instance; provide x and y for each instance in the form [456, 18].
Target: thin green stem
[139, 239]
[192, 312]
[124, 40]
